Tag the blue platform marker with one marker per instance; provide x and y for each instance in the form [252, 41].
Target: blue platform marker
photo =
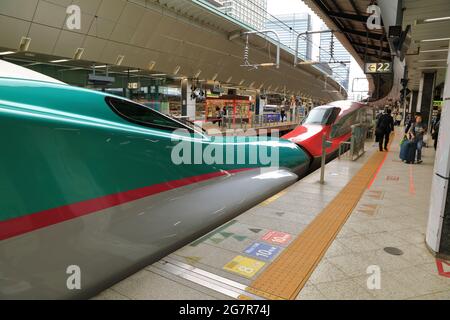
[262, 251]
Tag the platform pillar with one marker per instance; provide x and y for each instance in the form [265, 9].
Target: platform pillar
[188, 105]
[426, 95]
[438, 231]
[413, 102]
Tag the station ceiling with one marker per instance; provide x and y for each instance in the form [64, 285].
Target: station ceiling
[424, 55]
[349, 18]
[175, 37]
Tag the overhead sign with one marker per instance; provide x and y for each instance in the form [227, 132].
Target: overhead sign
[438, 103]
[378, 67]
[133, 85]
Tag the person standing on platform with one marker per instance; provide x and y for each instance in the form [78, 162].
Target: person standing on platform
[398, 119]
[411, 121]
[282, 114]
[418, 131]
[385, 126]
[435, 130]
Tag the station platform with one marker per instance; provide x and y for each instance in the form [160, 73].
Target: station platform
[268, 128]
[314, 241]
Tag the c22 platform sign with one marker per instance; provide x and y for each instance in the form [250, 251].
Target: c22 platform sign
[378, 67]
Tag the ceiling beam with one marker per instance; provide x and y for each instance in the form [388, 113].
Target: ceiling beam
[363, 45]
[370, 35]
[347, 16]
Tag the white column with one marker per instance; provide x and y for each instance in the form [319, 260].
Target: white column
[438, 232]
[191, 103]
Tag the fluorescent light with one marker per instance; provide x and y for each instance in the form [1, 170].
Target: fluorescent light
[437, 19]
[434, 40]
[134, 71]
[434, 60]
[6, 53]
[158, 75]
[434, 50]
[60, 60]
[99, 67]
[428, 68]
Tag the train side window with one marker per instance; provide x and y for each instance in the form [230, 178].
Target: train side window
[333, 116]
[143, 115]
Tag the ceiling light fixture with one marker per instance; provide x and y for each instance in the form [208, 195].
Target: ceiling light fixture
[437, 19]
[434, 50]
[6, 53]
[59, 61]
[119, 60]
[78, 54]
[435, 40]
[429, 68]
[24, 44]
[433, 60]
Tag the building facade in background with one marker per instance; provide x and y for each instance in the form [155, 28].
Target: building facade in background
[252, 13]
[288, 26]
[341, 73]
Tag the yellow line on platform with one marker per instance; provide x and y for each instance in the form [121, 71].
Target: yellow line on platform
[272, 199]
[287, 275]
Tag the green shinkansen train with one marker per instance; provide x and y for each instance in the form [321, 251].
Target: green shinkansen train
[110, 186]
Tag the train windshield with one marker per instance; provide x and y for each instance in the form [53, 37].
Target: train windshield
[144, 116]
[319, 116]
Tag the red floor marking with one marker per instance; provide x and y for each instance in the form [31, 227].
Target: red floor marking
[440, 265]
[378, 171]
[412, 188]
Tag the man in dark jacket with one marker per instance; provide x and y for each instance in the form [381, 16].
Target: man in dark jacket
[385, 126]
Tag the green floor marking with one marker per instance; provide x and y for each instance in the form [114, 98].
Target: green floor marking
[212, 234]
[239, 238]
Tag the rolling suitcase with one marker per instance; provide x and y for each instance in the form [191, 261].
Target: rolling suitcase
[404, 150]
[408, 151]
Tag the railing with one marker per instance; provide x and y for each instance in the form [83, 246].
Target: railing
[356, 145]
[266, 120]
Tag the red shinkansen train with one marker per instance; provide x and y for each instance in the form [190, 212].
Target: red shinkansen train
[333, 120]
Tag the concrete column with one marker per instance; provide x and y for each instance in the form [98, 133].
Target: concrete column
[187, 103]
[438, 232]
[426, 95]
[413, 101]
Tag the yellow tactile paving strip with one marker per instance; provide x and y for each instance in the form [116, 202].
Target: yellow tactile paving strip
[287, 275]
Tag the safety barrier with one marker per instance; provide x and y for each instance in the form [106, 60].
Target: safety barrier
[356, 143]
[257, 121]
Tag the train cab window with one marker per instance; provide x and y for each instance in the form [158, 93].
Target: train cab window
[143, 115]
[323, 116]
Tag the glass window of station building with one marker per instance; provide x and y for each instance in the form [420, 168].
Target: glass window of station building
[288, 26]
[341, 73]
[252, 13]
